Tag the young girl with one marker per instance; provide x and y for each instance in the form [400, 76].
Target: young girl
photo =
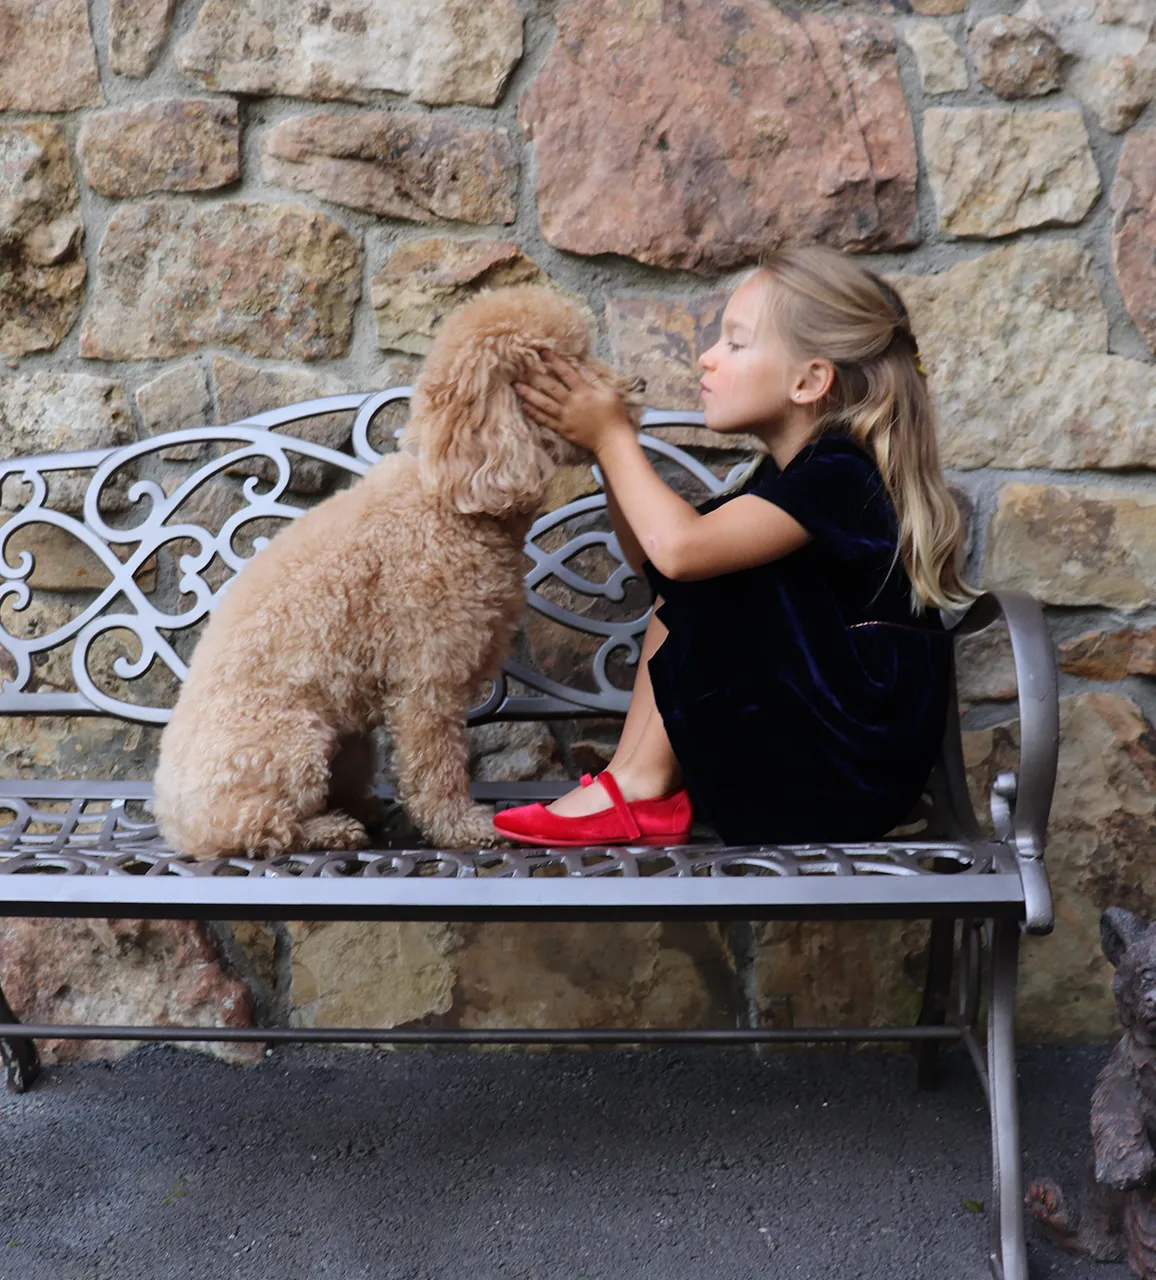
[795, 674]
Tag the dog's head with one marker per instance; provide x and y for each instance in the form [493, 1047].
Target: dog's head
[1130, 945]
[477, 449]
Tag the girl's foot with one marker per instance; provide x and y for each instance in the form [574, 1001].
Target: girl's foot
[585, 800]
[662, 821]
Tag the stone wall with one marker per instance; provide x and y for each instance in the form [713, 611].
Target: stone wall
[210, 207]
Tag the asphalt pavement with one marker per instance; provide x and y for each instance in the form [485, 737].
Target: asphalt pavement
[670, 1165]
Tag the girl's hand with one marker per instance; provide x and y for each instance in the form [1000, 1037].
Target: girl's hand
[573, 402]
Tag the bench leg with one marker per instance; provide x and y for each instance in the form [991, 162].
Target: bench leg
[1008, 1248]
[18, 1056]
[936, 993]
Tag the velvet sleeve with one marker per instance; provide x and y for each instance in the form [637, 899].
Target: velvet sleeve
[834, 490]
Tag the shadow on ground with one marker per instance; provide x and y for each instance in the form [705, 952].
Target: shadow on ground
[668, 1165]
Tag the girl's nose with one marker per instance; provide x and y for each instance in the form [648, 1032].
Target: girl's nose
[707, 358]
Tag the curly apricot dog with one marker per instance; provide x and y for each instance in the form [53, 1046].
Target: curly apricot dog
[389, 603]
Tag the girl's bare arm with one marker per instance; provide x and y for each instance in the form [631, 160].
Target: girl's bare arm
[632, 553]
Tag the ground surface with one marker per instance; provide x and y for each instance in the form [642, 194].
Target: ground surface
[666, 1165]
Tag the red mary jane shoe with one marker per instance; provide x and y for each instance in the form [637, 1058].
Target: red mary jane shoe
[664, 821]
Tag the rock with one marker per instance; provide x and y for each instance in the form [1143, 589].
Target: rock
[942, 66]
[94, 748]
[1110, 50]
[984, 669]
[493, 975]
[514, 752]
[938, 8]
[243, 390]
[175, 400]
[60, 412]
[423, 280]
[170, 144]
[1016, 342]
[1111, 655]
[42, 269]
[437, 51]
[1074, 546]
[1014, 58]
[660, 339]
[137, 31]
[1100, 837]
[48, 56]
[397, 165]
[269, 280]
[995, 171]
[121, 972]
[1134, 230]
[821, 150]
[814, 973]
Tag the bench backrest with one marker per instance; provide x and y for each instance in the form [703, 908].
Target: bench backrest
[111, 560]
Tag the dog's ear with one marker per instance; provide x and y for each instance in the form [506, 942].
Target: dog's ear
[477, 449]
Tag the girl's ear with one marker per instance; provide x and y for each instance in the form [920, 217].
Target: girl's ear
[813, 381]
[478, 451]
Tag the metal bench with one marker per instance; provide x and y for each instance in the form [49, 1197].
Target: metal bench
[83, 848]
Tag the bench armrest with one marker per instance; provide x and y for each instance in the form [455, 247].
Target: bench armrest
[1021, 805]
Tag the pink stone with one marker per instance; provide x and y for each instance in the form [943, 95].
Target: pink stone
[703, 141]
[1134, 230]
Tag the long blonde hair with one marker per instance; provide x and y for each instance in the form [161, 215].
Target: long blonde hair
[827, 306]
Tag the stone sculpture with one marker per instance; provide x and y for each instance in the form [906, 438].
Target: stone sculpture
[1116, 1214]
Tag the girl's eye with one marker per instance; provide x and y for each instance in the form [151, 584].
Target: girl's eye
[735, 346]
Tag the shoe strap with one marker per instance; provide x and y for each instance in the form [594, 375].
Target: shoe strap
[606, 778]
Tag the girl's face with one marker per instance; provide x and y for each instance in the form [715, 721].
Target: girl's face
[752, 381]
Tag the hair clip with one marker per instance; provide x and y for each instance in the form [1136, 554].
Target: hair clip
[919, 366]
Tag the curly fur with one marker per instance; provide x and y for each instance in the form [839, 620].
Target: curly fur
[389, 603]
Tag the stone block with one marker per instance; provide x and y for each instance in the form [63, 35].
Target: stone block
[269, 280]
[397, 165]
[43, 271]
[171, 144]
[1014, 58]
[437, 51]
[121, 972]
[821, 148]
[1016, 342]
[1111, 655]
[493, 975]
[423, 280]
[137, 31]
[175, 399]
[942, 66]
[242, 390]
[48, 57]
[1134, 230]
[995, 171]
[55, 413]
[1074, 546]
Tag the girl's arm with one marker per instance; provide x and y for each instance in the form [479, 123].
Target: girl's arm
[681, 544]
[632, 553]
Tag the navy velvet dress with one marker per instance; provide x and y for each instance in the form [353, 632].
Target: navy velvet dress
[803, 698]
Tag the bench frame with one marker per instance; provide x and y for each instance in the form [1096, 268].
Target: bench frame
[73, 848]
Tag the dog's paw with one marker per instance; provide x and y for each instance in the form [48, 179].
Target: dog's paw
[334, 830]
[473, 829]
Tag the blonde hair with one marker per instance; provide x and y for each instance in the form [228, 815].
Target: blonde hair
[827, 306]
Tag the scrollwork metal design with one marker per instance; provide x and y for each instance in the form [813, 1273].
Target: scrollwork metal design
[150, 520]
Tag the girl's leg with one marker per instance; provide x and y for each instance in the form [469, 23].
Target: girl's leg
[643, 765]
